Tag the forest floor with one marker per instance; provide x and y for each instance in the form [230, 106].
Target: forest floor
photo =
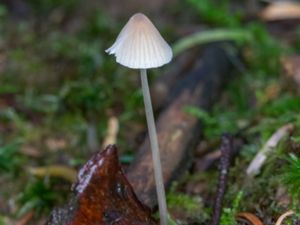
[59, 90]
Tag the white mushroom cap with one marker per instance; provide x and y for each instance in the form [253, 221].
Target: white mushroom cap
[140, 45]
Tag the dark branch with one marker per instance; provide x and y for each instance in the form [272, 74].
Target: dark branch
[226, 150]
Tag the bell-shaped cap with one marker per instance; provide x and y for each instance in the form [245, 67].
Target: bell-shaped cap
[140, 45]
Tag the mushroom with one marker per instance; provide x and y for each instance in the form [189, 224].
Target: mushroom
[140, 46]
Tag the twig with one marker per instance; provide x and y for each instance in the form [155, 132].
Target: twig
[270, 146]
[25, 219]
[226, 149]
[64, 172]
[250, 218]
[112, 131]
[283, 216]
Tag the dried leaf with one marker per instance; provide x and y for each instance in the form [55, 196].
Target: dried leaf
[253, 219]
[102, 196]
[64, 172]
[283, 216]
[281, 10]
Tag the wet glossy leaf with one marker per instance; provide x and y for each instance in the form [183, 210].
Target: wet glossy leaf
[103, 196]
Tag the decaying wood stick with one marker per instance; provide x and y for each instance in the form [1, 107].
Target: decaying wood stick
[178, 131]
[163, 85]
[226, 151]
[112, 131]
[270, 146]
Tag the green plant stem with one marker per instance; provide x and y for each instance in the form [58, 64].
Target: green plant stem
[160, 189]
[204, 37]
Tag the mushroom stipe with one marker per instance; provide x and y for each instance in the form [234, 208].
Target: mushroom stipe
[140, 46]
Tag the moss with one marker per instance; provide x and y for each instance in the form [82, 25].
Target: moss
[186, 205]
[291, 178]
[229, 214]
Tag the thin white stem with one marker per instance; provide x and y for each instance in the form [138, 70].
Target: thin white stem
[160, 189]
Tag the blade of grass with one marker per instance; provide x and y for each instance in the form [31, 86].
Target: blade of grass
[204, 37]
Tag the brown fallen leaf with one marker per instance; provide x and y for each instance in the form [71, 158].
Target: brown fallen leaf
[281, 10]
[102, 196]
[253, 219]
